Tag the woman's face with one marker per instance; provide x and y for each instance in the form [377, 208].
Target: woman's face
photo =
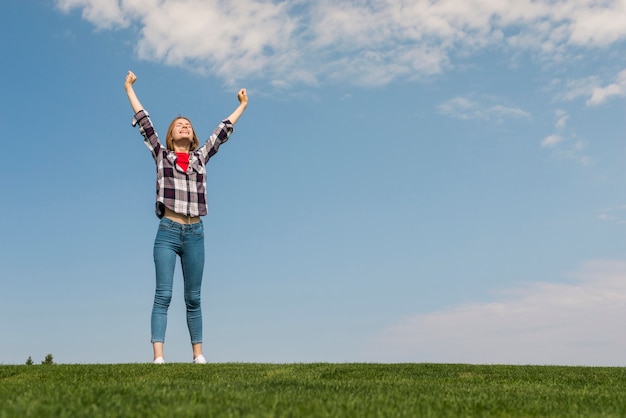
[182, 130]
[180, 135]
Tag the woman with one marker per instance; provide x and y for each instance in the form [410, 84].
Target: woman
[180, 201]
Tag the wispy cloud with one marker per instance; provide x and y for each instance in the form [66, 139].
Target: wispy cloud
[551, 141]
[562, 145]
[593, 89]
[601, 94]
[486, 109]
[362, 41]
[102, 14]
[614, 215]
[541, 323]
[562, 119]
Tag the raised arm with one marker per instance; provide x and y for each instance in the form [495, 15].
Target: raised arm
[242, 96]
[130, 92]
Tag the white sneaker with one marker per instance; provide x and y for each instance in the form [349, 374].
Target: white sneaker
[159, 360]
[199, 360]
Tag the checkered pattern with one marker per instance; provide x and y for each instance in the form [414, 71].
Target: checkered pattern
[183, 192]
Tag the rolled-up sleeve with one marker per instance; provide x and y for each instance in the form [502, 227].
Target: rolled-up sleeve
[146, 129]
[139, 116]
[220, 135]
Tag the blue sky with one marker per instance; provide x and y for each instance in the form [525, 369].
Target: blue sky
[412, 181]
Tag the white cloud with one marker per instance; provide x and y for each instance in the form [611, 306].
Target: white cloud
[102, 14]
[564, 146]
[563, 117]
[232, 41]
[614, 215]
[568, 150]
[601, 94]
[459, 107]
[363, 41]
[596, 22]
[575, 323]
[551, 141]
[469, 109]
[591, 87]
[577, 88]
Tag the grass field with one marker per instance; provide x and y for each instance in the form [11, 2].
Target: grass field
[311, 390]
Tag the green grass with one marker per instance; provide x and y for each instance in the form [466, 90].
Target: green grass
[311, 390]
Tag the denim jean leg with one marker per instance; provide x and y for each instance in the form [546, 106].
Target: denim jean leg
[192, 260]
[166, 245]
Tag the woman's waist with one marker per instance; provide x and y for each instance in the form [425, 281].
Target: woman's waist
[180, 218]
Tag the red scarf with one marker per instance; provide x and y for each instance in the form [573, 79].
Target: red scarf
[183, 160]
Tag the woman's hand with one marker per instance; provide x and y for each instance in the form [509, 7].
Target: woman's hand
[242, 96]
[130, 92]
[130, 80]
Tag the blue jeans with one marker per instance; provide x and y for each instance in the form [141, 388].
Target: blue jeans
[187, 242]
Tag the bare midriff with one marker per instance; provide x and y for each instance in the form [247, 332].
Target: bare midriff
[181, 219]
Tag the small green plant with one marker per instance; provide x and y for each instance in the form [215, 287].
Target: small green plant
[29, 361]
[48, 360]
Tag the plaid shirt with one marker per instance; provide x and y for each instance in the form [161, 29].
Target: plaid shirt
[183, 192]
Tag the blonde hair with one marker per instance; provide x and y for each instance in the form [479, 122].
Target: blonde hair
[169, 142]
